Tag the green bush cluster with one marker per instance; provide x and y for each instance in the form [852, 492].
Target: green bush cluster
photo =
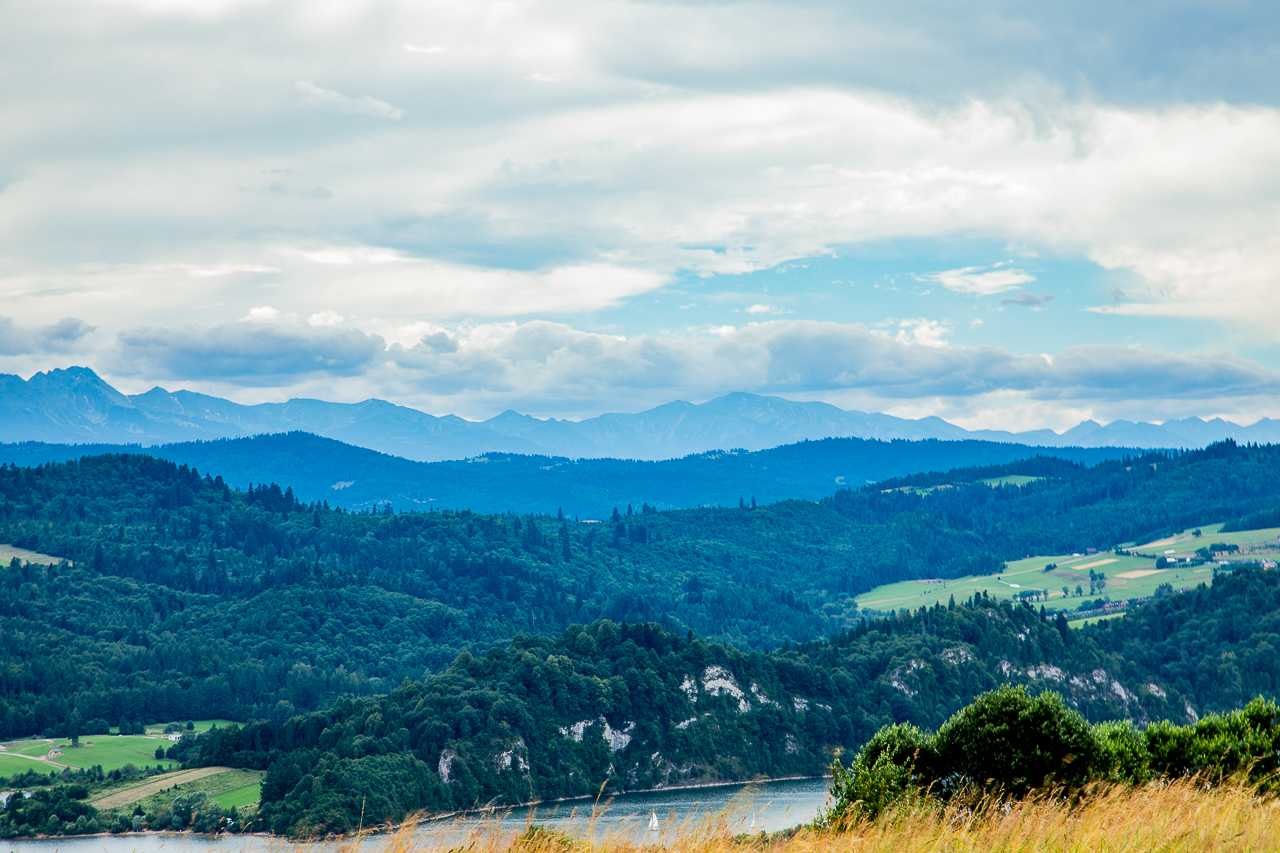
[1009, 743]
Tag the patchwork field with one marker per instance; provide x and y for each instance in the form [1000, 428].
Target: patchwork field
[109, 751]
[223, 785]
[9, 552]
[1126, 576]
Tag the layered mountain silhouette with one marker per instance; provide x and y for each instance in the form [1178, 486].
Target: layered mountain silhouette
[75, 405]
[322, 469]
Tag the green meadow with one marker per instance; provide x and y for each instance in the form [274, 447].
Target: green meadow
[200, 725]
[1126, 576]
[9, 552]
[1010, 480]
[110, 751]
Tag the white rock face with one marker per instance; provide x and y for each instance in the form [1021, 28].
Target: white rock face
[616, 738]
[897, 677]
[718, 681]
[575, 731]
[684, 724]
[445, 765]
[760, 695]
[1157, 691]
[513, 757]
[1046, 671]
[956, 655]
[799, 704]
[690, 688]
[790, 744]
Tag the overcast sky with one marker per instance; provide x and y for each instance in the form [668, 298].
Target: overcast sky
[1008, 216]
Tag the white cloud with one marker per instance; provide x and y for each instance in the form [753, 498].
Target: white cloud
[364, 105]
[760, 308]
[981, 281]
[262, 314]
[928, 333]
[428, 49]
[551, 364]
[694, 137]
[325, 319]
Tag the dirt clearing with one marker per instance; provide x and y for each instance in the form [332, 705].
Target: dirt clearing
[1095, 564]
[154, 785]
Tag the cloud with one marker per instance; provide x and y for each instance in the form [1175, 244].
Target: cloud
[929, 333]
[760, 308]
[685, 140]
[428, 49]
[982, 281]
[253, 353]
[553, 364]
[364, 105]
[1028, 300]
[63, 336]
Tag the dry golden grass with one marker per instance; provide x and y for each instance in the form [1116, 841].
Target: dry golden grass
[1177, 816]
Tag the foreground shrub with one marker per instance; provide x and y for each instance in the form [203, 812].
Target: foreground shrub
[1011, 743]
[1008, 744]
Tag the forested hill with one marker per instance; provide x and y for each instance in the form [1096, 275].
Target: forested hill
[637, 707]
[190, 599]
[353, 477]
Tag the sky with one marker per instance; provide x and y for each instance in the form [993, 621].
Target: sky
[1015, 216]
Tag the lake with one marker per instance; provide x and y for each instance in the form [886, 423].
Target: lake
[762, 807]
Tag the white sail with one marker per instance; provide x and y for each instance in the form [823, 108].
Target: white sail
[653, 820]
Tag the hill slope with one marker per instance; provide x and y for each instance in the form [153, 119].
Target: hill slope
[322, 469]
[188, 599]
[638, 707]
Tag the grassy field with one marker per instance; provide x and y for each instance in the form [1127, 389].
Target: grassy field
[1127, 576]
[8, 552]
[200, 725]
[1173, 817]
[1262, 544]
[1089, 620]
[110, 751]
[1010, 480]
[223, 785]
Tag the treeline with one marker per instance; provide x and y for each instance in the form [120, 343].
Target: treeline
[634, 706]
[1009, 743]
[187, 598]
[357, 478]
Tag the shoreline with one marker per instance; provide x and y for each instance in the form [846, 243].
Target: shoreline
[422, 821]
[692, 786]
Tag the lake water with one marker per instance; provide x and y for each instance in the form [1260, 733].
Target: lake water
[766, 807]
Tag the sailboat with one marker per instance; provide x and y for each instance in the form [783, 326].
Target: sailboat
[653, 821]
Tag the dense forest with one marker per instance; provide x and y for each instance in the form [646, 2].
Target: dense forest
[356, 478]
[187, 598]
[636, 706]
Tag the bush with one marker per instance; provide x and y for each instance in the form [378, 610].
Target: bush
[1125, 757]
[1010, 742]
[896, 760]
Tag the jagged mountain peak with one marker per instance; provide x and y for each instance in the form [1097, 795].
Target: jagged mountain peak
[74, 404]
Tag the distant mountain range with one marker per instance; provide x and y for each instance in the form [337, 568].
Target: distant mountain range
[74, 405]
[344, 475]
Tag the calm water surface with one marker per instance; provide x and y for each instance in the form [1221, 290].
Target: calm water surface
[764, 807]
